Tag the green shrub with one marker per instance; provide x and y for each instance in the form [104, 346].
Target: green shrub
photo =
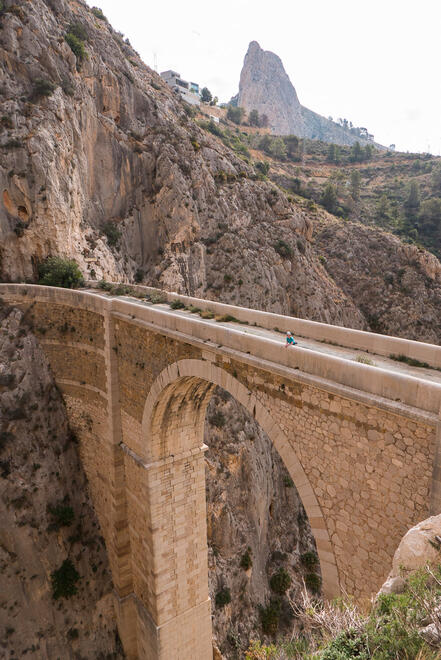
[281, 581]
[287, 481]
[75, 36]
[348, 645]
[235, 114]
[158, 298]
[43, 87]
[6, 122]
[64, 580]
[269, 617]
[363, 359]
[73, 633]
[282, 248]
[256, 651]
[56, 271]
[105, 286]
[121, 290]
[217, 419]
[246, 560]
[78, 30]
[207, 314]
[223, 597]
[62, 516]
[196, 145]
[410, 361]
[226, 318]
[112, 233]
[96, 11]
[195, 310]
[313, 582]
[177, 304]
[309, 559]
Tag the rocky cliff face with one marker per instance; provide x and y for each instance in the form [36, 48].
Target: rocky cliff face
[396, 286]
[265, 86]
[108, 168]
[253, 512]
[46, 517]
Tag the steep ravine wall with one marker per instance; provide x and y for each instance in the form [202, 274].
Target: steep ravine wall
[40, 472]
[252, 506]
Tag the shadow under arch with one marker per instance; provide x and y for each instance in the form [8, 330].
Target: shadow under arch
[173, 424]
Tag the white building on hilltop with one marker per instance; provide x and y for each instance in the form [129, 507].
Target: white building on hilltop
[188, 90]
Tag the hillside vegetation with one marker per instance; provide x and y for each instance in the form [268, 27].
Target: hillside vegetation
[399, 192]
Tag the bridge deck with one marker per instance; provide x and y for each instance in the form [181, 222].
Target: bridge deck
[350, 354]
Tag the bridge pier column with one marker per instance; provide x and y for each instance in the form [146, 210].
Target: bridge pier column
[169, 553]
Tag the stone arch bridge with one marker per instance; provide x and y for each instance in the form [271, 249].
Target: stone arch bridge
[362, 443]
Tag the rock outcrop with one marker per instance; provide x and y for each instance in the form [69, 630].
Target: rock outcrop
[265, 86]
[396, 286]
[419, 547]
[108, 168]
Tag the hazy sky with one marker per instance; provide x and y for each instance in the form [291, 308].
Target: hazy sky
[375, 63]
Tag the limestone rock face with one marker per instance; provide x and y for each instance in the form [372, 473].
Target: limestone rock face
[252, 508]
[265, 86]
[414, 552]
[397, 286]
[40, 470]
[415, 549]
[112, 146]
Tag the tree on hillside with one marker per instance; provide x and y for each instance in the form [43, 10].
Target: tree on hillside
[333, 153]
[235, 114]
[382, 212]
[254, 118]
[430, 217]
[264, 121]
[277, 148]
[293, 147]
[412, 201]
[263, 167]
[206, 95]
[356, 153]
[265, 144]
[214, 101]
[436, 179]
[368, 150]
[355, 184]
[329, 199]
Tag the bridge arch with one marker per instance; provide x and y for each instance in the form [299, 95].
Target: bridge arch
[172, 431]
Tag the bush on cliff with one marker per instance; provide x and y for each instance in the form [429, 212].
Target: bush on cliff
[395, 628]
[56, 271]
[64, 580]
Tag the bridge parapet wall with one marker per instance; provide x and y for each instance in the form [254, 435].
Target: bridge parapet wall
[347, 337]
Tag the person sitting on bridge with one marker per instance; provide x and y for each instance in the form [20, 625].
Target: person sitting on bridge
[290, 341]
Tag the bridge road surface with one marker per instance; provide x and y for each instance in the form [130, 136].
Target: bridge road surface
[349, 354]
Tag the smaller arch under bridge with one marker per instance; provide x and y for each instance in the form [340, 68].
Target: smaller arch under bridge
[361, 444]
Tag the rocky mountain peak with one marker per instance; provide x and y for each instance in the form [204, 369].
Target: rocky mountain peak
[265, 86]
